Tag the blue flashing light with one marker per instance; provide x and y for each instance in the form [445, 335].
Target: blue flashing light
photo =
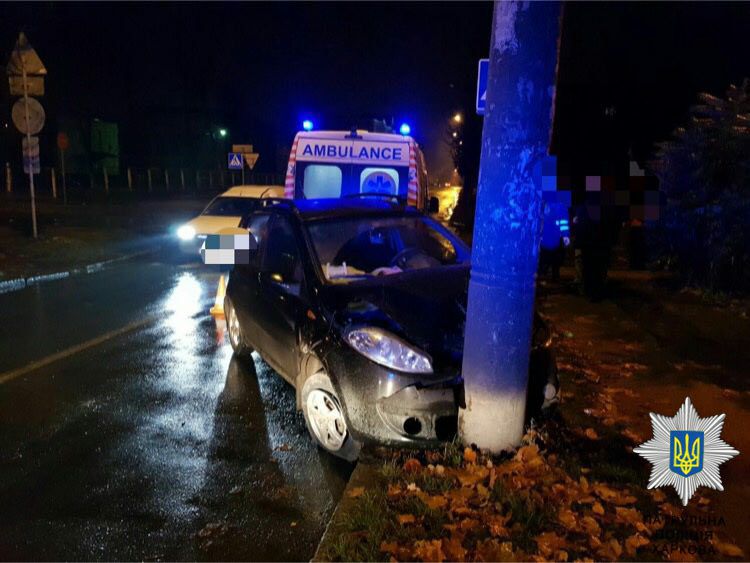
[307, 125]
[405, 129]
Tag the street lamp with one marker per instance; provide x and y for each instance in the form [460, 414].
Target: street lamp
[458, 118]
[222, 132]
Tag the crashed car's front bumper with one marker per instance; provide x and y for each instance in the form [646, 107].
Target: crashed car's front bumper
[387, 406]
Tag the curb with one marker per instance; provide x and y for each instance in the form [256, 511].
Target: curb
[364, 475]
[19, 283]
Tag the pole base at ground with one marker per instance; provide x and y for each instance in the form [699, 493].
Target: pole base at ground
[495, 433]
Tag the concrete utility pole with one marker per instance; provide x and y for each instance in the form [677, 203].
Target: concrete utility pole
[515, 138]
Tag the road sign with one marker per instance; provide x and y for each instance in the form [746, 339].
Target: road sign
[244, 149]
[251, 159]
[30, 149]
[234, 161]
[35, 85]
[482, 74]
[36, 116]
[25, 57]
[28, 114]
[63, 142]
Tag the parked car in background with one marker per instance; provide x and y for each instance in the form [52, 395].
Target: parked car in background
[225, 211]
[360, 304]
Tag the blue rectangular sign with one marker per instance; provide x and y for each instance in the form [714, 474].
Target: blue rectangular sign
[482, 74]
[234, 161]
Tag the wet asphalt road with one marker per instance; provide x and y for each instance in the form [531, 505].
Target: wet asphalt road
[150, 441]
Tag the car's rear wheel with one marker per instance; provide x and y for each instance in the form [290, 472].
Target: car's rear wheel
[325, 419]
[236, 338]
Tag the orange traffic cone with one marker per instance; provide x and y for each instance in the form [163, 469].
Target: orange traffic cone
[221, 291]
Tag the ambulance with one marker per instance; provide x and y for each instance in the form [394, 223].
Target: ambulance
[336, 164]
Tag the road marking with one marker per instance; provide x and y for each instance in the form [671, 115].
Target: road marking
[18, 372]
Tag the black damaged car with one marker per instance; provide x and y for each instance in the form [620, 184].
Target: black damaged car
[360, 304]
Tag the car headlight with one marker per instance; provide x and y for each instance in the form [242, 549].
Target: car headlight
[186, 232]
[388, 350]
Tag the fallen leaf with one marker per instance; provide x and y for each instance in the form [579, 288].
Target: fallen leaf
[437, 502]
[496, 526]
[549, 542]
[728, 549]
[389, 547]
[597, 508]
[590, 526]
[412, 465]
[493, 550]
[658, 495]
[393, 491]
[431, 550]
[468, 524]
[633, 543]
[453, 549]
[630, 516]
[404, 519]
[355, 492]
[567, 518]
[470, 456]
[591, 434]
[610, 549]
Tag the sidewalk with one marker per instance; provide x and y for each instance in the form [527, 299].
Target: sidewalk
[77, 236]
[575, 489]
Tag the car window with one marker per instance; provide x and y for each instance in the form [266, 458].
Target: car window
[281, 256]
[322, 181]
[369, 246]
[231, 206]
[257, 226]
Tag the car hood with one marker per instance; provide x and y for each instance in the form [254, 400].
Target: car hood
[425, 307]
[212, 224]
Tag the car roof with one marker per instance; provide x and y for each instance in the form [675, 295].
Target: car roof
[314, 209]
[254, 190]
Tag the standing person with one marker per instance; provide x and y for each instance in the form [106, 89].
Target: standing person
[555, 238]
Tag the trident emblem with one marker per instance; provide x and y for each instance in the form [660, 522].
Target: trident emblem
[686, 452]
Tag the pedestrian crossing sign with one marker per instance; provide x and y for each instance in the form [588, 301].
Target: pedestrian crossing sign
[234, 161]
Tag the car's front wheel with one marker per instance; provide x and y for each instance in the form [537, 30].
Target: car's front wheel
[324, 417]
[236, 338]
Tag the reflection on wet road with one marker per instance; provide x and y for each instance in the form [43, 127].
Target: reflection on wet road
[156, 443]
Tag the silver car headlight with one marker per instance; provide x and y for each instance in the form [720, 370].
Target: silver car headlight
[388, 350]
[186, 232]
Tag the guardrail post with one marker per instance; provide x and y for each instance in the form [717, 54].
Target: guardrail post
[182, 179]
[53, 181]
[150, 180]
[130, 179]
[8, 178]
[106, 180]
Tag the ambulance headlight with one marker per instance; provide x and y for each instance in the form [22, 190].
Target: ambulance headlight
[186, 232]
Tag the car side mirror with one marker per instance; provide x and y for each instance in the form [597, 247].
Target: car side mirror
[434, 205]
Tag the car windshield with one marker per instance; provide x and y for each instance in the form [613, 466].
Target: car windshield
[366, 246]
[231, 206]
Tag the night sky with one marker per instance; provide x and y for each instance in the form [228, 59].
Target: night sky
[167, 72]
